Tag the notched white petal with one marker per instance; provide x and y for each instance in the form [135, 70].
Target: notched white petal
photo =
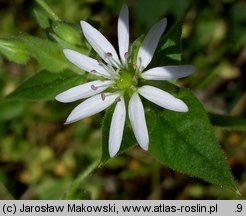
[162, 98]
[99, 43]
[123, 33]
[86, 63]
[138, 122]
[91, 106]
[150, 43]
[117, 127]
[83, 91]
[168, 72]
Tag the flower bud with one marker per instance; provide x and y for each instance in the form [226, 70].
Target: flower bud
[14, 49]
[67, 32]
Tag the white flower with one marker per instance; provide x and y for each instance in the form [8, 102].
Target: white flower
[118, 77]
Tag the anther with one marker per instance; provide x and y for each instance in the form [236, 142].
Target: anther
[117, 99]
[133, 88]
[93, 71]
[109, 54]
[126, 55]
[135, 79]
[100, 62]
[103, 96]
[134, 66]
[94, 88]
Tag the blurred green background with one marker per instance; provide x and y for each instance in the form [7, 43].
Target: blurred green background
[40, 157]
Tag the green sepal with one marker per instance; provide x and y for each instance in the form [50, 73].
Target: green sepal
[67, 32]
[14, 49]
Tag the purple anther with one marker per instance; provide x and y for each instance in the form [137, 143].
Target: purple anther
[135, 79]
[126, 55]
[109, 54]
[133, 88]
[103, 96]
[117, 99]
[94, 88]
[100, 62]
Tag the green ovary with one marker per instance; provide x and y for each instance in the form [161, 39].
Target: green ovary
[125, 81]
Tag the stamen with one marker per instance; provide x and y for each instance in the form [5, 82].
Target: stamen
[140, 67]
[108, 68]
[133, 88]
[100, 62]
[94, 88]
[103, 96]
[135, 79]
[98, 73]
[117, 99]
[134, 66]
[126, 55]
[109, 54]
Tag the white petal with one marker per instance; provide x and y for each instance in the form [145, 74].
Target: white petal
[168, 72]
[86, 63]
[150, 43]
[99, 43]
[162, 98]
[138, 122]
[117, 127]
[91, 106]
[123, 32]
[83, 91]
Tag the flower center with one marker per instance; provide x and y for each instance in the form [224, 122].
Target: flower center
[126, 80]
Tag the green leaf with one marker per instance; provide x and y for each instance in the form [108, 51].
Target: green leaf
[47, 53]
[228, 122]
[45, 85]
[48, 10]
[168, 51]
[42, 18]
[186, 143]
[128, 140]
[84, 49]
[14, 50]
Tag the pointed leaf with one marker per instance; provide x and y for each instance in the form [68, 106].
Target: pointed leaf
[47, 53]
[42, 18]
[47, 9]
[186, 143]
[46, 85]
[228, 122]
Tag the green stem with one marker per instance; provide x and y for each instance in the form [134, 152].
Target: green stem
[75, 186]
[225, 121]
[45, 6]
